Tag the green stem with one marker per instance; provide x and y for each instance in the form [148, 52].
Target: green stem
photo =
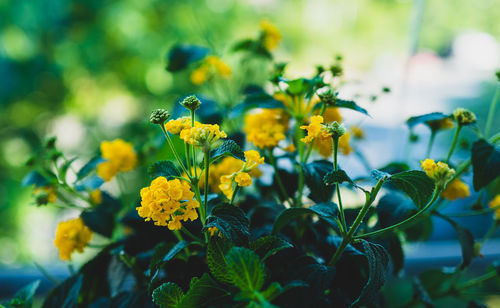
[453, 143]
[188, 159]
[191, 235]
[491, 113]
[476, 281]
[207, 166]
[277, 176]
[337, 185]
[299, 134]
[431, 142]
[435, 196]
[474, 213]
[171, 145]
[370, 197]
[193, 149]
[236, 189]
[179, 237]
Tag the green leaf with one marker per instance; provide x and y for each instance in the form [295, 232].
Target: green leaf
[25, 295]
[231, 222]
[393, 208]
[416, 184]
[255, 100]
[272, 291]
[99, 220]
[246, 269]
[340, 103]
[90, 166]
[227, 148]
[339, 176]
[167, 295]
[485, 159]
[395, 250]
[436, 282]
[203, 292]
[466, 240]
[268, 245]
[216, 260]
[65, 295]
[65, 166]
[421, 294]
[252, 46]
[34, 178]
[314, 173]
[328, 211]
[163, 168]
[434, 116]
[378, 261]
[162, 254]
[181, 56]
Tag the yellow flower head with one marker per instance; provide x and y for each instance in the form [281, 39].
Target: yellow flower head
[440, 172]
[313, 129]
[71, 235]
[495, 203]
[270, 35]
[212, 230]
[253, 160]
[45, 194]
[290, 148]
[243, 179]
[120, 156]
[168, 203]
[96, 196]
[357, 132]
[332, 114]
[442, 124]
[202, 135]
[464, 117]
[226, 185]
[456, 190]
[324, 145]
[210, 67]
[266, 127]
[176, 126]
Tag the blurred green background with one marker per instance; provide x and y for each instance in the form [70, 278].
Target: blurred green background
[85, 70]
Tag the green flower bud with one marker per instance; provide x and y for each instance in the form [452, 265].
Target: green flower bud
[464, 117]
[327, 96]
[50, 142]
[337, 130]
[191, 102]
[498, 75]
[159, 116]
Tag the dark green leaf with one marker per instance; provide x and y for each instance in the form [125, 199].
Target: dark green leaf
[485, 159]
[339, 176]
[252, 46]
[395, 250]
[90, 166]
[227, 148]
[377, 174]
[163, 168]
[272, 291]
[231, 222]
[216, 260]
[314, 173]
[203, 292]
[25, 295]
[167, 295]
[34, 178]
[340, 103]
[394, 167]
[421, 230]
[63, 169]
[436, 282]
[99, 220]
[327, 211]
[89, 183]
[65, 295]
[132, 299]
[466, 240]
[393, 208]
[181, 56]
[255, 100]
[268, 245]
[434, 116]
[378, 261]
[421, 294]
[245, 268]
[416, 184]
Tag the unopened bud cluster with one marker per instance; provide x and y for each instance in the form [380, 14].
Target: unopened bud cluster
[327, 96]
[159, 116]
[191, 103]
[464, 117]
[335, 129]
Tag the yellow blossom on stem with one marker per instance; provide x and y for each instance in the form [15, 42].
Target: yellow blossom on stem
[357, 132]
[168, 203]
[46, 194]
[270, 35]
[313, 129]
[202, 135]
[243, 179]
[332, 114]
[324, 144]
[456, 190]
[210, 67]
[442, 124]
[440, 172]
[253, 160]
[495, 203]
[120, 156]
[212, 230]
[176, 126]
[265, 128]
[96, 196]
[71, 235]
[226, 185]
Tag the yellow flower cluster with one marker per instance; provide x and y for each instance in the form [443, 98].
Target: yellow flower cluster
[321, 138]
[120, 156]
[440, 172]
[96, 196]
[48, 192]
[266, 127]
[357, 132]
[71, 235]
[332, 114]
[456, 190]
[211, 66]
[168, 203]
[495, 203]
[176, 126]
[270, 35]
[228, 165]
[212, 230]
[202, 135]
[242, 177]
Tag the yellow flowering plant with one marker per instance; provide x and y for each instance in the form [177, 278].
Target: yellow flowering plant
[248, 204]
